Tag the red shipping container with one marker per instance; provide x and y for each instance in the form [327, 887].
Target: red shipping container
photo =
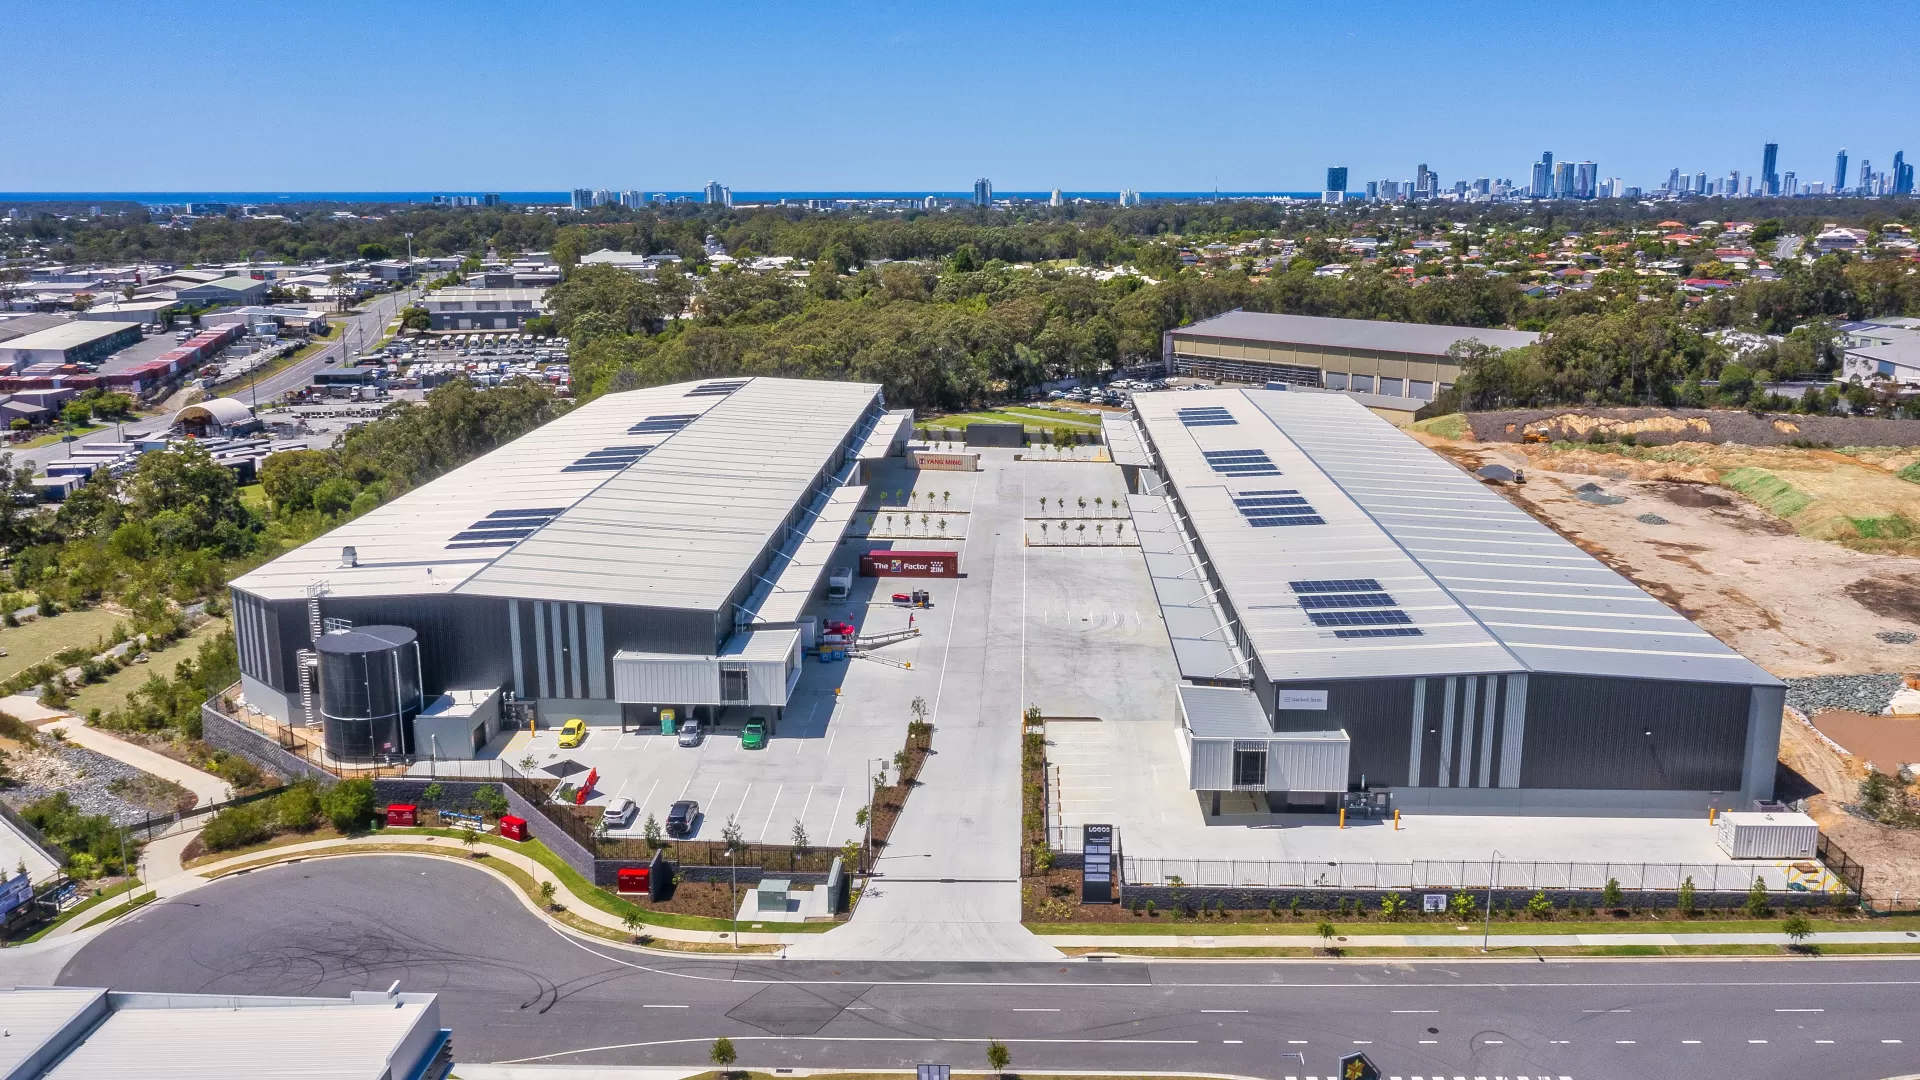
[635, 879]
[512, 828]
[885, 563]
[402, 814]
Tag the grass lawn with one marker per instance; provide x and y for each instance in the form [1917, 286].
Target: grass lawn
[112, 693]
[1034, 419]
[253, 496]
[81, 908]
[38, 639]
[52, 437]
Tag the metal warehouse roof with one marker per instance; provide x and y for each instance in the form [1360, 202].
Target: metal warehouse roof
[1223, 712]
[69, 335]
[679, 527]
[1351, 333]
[210, 1037]
[1489, 588]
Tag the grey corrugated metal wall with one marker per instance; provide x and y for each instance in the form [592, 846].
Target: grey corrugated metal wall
[1635, 734]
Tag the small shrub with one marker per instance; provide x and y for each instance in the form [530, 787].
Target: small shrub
[1757, 906]
[1540, 907]
[1798, 928]
[1611, 896]
[490, 801]
[236, 826]
[349, 804]
[1687, 903]
[1393, 906]
[297, 808]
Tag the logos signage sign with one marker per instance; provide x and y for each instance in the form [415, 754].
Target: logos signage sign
[1302, 699]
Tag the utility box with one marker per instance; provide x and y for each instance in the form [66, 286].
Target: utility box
[1768, 836]
[402, 814]
[771, 894]
[513, 828]
[635, 879]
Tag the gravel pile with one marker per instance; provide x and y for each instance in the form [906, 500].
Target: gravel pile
[81, 773]
[1855, 693]
[1652, 519]
[1897, 637]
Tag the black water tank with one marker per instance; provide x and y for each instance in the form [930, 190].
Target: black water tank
[369, 691]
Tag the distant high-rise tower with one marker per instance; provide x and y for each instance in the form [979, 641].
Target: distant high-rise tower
[1129, 197]
[1790, 186]
[1902, 174]
[1840, 171]
[1586, 180]
[582, 198]
[1543, 176]
[719, 194]
[1769, 162]
[1563, 180]
[1673, 181]
[1056, 199]
[1700, 183]
[983, 192]
[1337, 178]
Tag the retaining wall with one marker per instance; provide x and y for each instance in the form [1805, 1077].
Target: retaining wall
[223, 732]
[408, 789]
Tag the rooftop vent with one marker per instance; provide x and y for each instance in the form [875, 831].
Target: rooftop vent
[349, 557]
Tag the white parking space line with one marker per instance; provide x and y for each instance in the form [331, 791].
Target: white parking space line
[744, 796]
[771, 807]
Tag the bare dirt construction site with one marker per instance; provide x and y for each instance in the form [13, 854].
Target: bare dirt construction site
[1800, 557]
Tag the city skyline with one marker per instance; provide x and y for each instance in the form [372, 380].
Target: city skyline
[573, 68]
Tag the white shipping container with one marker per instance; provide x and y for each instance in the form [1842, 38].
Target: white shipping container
[1768, 836]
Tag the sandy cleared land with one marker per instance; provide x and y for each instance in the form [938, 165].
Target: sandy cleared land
[1793, 604]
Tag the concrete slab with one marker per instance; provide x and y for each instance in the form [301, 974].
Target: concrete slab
[948, 887]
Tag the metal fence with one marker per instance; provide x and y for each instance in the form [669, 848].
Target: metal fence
[163, 824]
[1467, 874]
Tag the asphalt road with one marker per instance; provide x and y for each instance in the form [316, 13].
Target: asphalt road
[513, 989]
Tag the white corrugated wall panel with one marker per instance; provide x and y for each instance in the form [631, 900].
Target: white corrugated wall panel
[1307, 765]
[662, 681]
[767, 682]
[1212, 768]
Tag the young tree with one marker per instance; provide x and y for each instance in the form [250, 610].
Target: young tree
[652, 833]
[1611, 896]
[1798, 929]
[1687, 907]
[1757, 906]
[1326, 931]
[997, 1056]
[732, 835]
[546, 893]
[801, 842]
[633, 922]
[723, 1053]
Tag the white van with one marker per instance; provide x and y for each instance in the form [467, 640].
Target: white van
[840, 583]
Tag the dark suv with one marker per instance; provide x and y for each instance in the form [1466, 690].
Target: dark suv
[681, 816]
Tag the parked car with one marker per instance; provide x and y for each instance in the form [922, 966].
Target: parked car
[619, 813]
[681, 817]
[754, 735]
[573, 733]
[691, 732]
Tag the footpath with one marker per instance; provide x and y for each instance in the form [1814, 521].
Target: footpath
[206, 787]
[1202, 942]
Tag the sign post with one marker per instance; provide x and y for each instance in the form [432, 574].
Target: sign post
[1096, 873]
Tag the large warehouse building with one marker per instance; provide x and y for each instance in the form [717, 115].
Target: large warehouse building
[650, 549]
[1362, 355]
[1351, 612]
[77, 342]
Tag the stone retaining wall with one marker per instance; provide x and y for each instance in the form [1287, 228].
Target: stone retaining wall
[223, 732]
[1327, 901]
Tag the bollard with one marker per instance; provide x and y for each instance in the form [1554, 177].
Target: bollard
[1396, 819]
[1711, 812]
[1343, 817]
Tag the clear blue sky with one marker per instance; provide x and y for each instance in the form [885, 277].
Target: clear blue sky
[119, 96]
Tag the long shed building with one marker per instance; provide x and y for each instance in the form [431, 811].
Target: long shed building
[653, 548]
[1323, 574]
[1366, 356]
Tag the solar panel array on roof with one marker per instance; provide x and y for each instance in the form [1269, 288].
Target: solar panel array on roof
[1241, 462]
[1328, 601]
[612, 459]
[1206, 416]
[658, 425]
[504, 528]
[1266, 509]
[716, 389]
[1336, 585]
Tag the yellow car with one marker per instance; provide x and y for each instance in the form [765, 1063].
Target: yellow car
[573, 733]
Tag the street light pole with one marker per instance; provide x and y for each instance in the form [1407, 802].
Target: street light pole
[1493, 874]
[733, 893]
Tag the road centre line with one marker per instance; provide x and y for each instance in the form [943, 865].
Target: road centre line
[1059, 986]
[853, 1039]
